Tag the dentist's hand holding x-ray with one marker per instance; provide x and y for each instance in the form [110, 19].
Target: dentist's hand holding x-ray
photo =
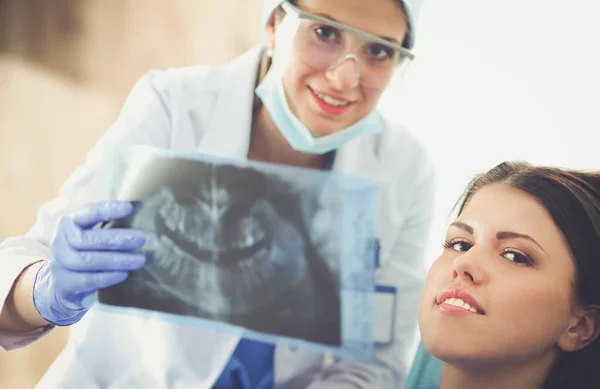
[306, 96]
[85, 260]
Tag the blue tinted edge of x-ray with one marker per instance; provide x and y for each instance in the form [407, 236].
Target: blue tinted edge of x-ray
[357, 287]
[358, 276]
[114, 148]
[348, 351]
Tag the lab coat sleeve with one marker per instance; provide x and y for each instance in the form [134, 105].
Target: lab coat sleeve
[144, 119]
[405, 270]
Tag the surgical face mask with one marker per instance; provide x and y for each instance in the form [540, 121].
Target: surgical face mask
[294, 38]
[272, 94]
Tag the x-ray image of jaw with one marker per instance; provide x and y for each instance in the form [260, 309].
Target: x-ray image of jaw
[231, 244]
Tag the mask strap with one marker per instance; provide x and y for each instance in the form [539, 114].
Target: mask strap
[264, 66]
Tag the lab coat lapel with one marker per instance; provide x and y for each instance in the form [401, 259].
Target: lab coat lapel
[358, 158]
[228, 133]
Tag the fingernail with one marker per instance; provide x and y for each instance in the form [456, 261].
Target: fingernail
[138, 237]
[119, 205]
[140, 261]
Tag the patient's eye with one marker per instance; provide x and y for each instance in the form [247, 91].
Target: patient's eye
[457, 245]
[517, 257]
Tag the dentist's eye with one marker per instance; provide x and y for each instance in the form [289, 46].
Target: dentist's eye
[457, 245]
[380, 52]
[517, 257]
[327, 34]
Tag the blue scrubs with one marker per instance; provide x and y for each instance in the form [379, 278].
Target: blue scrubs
[252, 364]
[250, 367]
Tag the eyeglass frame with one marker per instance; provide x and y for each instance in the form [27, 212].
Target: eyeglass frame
[301, 14]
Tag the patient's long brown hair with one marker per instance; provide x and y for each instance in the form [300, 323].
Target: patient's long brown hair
[573, 200]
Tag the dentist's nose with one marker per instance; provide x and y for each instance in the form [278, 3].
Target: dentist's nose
[344, 75]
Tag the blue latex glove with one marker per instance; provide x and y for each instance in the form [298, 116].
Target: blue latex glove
[84, 260]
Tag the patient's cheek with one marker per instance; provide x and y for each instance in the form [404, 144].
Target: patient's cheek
[535, 312]
[526, 313]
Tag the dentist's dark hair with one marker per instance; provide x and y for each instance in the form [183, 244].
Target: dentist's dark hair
[572, 198]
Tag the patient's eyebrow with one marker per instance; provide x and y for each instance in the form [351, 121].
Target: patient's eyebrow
[463, 226]
[500, 235]
[511, 235]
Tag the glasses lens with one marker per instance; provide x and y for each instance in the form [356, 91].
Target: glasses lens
[323, 46]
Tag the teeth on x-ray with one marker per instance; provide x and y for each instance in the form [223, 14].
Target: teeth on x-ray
[213, 273]
[235, 244]
[197, 220]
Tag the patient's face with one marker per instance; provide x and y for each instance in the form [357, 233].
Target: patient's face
[523, 291]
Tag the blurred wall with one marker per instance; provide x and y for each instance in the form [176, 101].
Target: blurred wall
[66, 67]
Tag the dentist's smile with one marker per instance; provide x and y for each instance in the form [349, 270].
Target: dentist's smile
[334, 106]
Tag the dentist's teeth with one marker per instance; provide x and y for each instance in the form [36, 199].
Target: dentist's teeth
[331, 100]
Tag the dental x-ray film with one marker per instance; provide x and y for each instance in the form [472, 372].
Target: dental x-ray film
[285, 255]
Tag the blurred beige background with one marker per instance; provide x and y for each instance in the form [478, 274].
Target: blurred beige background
[66, 67]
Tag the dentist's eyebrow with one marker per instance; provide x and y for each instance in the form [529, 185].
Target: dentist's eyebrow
[512, 235]
[387, 38]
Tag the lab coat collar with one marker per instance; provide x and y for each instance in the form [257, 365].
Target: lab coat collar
[228, 133]
[359, 158]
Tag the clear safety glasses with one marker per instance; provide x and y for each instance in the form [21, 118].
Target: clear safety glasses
[325, 44]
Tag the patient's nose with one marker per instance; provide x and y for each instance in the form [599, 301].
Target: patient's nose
[466, 268]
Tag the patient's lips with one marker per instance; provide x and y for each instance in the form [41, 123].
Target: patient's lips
[458, 300]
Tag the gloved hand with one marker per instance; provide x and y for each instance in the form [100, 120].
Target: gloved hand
[85, 260]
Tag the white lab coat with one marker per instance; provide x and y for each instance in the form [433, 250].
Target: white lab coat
[208, 109]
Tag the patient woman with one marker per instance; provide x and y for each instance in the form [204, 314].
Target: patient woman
[514, 299]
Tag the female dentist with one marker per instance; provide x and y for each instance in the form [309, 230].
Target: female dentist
[306, 98]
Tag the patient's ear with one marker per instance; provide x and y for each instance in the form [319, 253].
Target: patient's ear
[582, 332]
